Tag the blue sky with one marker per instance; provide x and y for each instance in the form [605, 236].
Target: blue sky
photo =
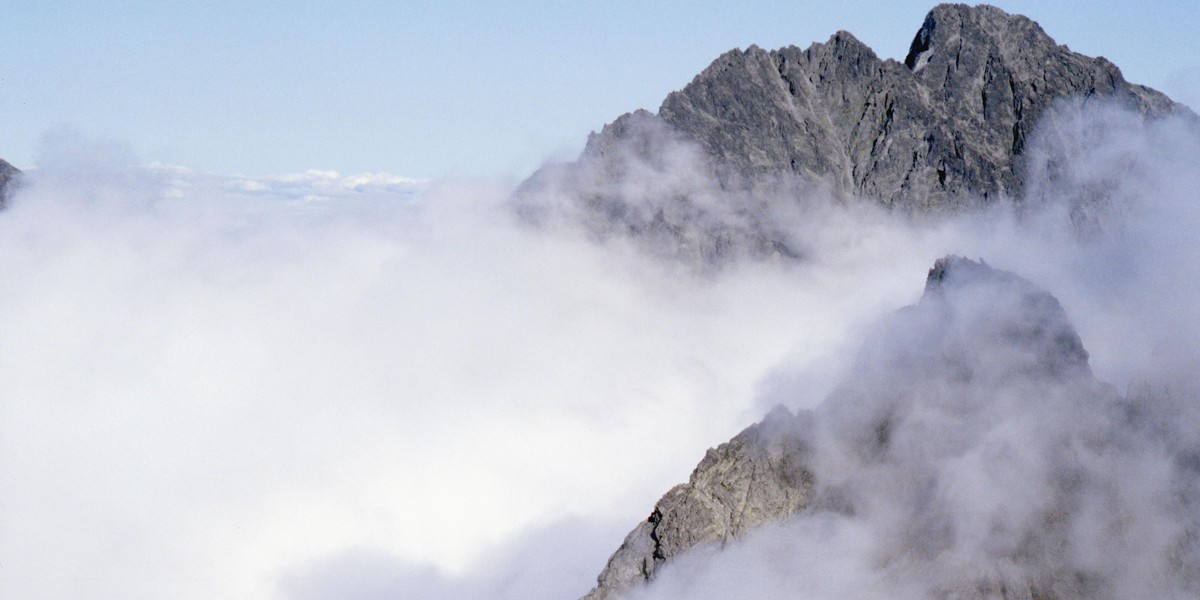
[446, 89]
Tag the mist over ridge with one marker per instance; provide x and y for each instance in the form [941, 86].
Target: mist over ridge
[987, 121]
[721, 170]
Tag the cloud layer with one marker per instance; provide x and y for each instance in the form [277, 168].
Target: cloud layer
[212, 382]
[318, 386]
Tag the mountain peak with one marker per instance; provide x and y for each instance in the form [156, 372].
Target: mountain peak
[1002, 310]
[757, 131]
[948, 23]
[981, 344]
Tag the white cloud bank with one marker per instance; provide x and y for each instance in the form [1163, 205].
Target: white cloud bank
[211, 382]
[319, 386]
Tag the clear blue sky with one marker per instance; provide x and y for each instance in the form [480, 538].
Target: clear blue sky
[449, 88]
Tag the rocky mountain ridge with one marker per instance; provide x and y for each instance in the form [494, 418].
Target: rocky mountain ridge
[974, 444]
[715, 174]
[757, 477]
[712, 173]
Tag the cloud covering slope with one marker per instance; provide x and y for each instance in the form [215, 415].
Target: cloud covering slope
[323, 386]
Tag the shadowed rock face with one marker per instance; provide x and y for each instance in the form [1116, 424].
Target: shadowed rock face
[940, 131]
[972, 440]
[7, 174]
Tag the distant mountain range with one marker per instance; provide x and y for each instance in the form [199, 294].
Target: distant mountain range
[944, 129]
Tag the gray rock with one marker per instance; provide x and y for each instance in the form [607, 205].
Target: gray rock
[986, 364]
[756, 477]
[711, 175]
[8, 176]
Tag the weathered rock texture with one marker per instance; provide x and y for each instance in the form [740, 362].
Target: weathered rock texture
[943, 129]
[973, 443]
[756, 477]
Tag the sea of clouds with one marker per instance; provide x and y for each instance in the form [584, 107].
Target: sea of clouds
[320, 386]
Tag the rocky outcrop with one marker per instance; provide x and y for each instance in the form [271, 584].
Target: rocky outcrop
[943, 129]
[756, 477]
[972, 442]
[8, 175]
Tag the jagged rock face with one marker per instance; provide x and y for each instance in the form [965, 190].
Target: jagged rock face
[945, 128]
[996, 74]
[949, 122]
[971, 439]
[756, 477]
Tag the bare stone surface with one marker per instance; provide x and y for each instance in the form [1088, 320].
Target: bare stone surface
[756, 477]
[941, 131]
